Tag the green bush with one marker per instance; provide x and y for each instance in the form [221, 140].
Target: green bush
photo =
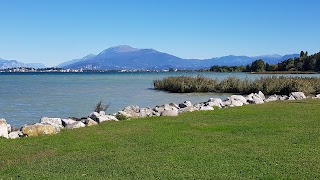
[121, 117]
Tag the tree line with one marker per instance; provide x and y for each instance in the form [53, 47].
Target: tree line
[302, 63]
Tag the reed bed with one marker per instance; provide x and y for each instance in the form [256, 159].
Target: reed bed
[268, 85]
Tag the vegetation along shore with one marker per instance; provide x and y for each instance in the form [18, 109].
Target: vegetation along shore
[268, 85]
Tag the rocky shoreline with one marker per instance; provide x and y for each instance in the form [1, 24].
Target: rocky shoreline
[48, 126]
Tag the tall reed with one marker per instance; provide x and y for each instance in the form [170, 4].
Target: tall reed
[268, 85]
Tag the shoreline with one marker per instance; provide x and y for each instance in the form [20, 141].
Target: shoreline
[47, 126]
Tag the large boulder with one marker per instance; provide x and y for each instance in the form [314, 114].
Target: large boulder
[297, 95]
[255, 98]
[185, 107]
[271, 98]
[161, 108]
[238, 98]
[94, 115]
[169, 113]
[75, 125]
[283, 97]
[65, 122]
[185, 104]
[4, 128]
[146, 112]
[232, 103]
[57, 122]
[39, 129]
[106, 118]
[90, 122]
[132, 111]
[101, 117]
[15, 134]
[316, 97]
[262, 96]
[206, 108]
[217, 102]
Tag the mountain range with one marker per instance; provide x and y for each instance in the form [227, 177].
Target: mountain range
[125, 57]
[4, 64]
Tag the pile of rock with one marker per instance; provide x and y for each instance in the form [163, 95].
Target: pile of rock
[54, 125]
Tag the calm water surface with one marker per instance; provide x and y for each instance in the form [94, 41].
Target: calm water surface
[26, 97]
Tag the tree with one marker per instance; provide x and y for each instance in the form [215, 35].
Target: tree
[258, 66]
[301, 54]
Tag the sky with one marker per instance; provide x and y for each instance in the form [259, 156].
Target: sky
[55, 31]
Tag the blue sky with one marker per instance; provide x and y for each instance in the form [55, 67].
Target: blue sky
[54, 31]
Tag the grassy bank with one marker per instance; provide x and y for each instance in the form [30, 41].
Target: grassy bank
[269, 141]
[268, 85]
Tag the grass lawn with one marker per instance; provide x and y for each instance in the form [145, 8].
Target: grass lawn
[270, 141]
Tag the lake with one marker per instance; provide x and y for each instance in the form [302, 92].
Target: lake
[26, 97]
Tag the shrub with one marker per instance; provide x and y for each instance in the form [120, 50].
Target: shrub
[101, 107]
[121, 117]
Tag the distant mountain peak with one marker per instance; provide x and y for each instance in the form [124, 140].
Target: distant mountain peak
[120, 49]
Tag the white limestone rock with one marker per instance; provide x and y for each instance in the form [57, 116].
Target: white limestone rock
[298, 95]
[4, 129]
[57, 122]
[75, 125]
[15, 135]
[216, 102]
[66, 122]
[169, 113]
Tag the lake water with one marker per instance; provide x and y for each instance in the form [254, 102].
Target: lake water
[26, 97]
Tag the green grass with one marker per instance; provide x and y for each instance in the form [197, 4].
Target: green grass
[276, 140]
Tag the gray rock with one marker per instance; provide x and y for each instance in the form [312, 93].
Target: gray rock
[164, 107]
[232, 103]
[132, 111]
[185, 104]
[236, 103]
[3, 128]
[174, 105]
[206, 108]
[217, 102]
[186, 109]
[283, 98]
[90, 122]
[106, 118]
[291, 98]
[271, 98]
[169, 113]
[102, 113]
[57, 122]
[298, 95]
[15, 134]
[75, 125]
[255, 98]
[124, 114]
[316, 97]
[65, 122]
[238, 98]
[39, 129]
[197, 106]
[94, 115]
[145, 112]
[262, 96]
[9, 128]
